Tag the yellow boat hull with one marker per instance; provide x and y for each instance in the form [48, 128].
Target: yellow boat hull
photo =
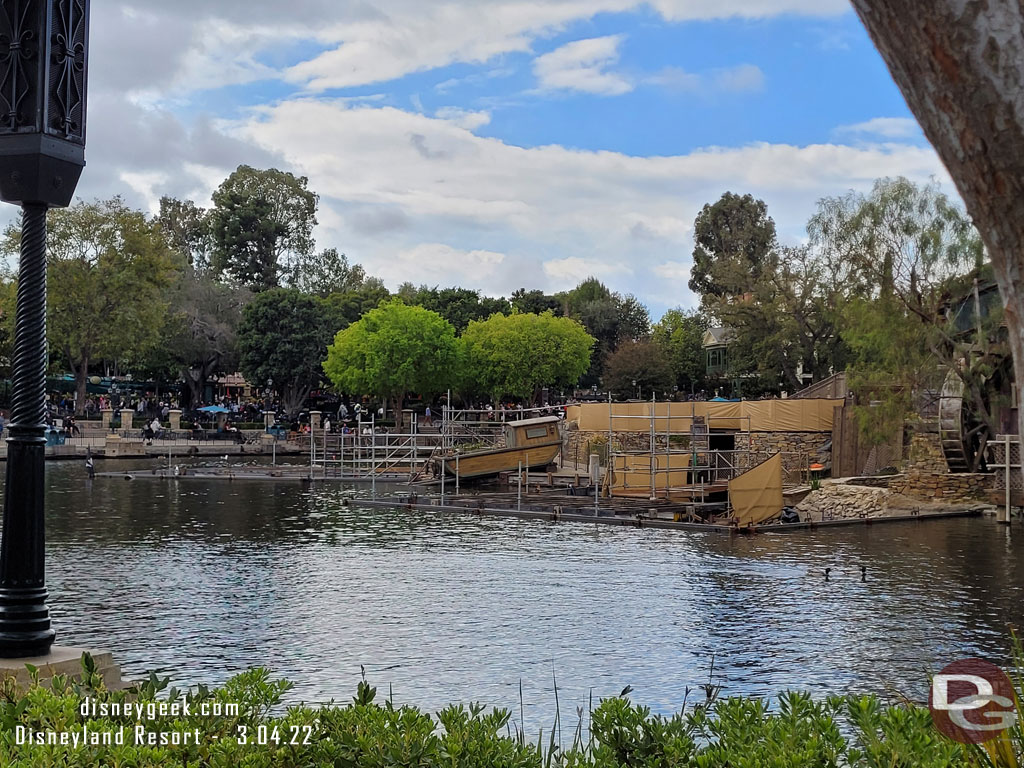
[492, 462]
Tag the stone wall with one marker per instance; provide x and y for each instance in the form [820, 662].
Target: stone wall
[925, 454]
[799, 449]
[942, 485]
[579, 444]
[905, 495]
[841, 501]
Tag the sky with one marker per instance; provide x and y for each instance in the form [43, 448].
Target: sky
[499, 144]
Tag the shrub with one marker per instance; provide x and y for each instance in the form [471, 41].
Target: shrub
[800, 732]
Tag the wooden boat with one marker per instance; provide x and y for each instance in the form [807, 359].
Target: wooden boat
[533, 442]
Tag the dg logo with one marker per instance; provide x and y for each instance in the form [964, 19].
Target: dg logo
[972, 701]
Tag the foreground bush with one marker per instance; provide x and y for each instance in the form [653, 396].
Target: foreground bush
[799, 732]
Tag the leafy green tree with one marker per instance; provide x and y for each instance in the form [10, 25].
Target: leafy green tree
[518, 355]
[109, 272]
[638, 366]
[281, 338]
[534, 302]
[200, 335]
[287, 209]
[8, 300]
[458, 306]
[680, 334]
[609, 317]
[328, 272]
[391, 351]
[786, 328]
[734, 244]
[245, 239]
[187, 230]
[346, 308]
[913, 255]
[634, 319]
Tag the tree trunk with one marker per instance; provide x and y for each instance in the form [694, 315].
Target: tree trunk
[81, 379]
[397, 402]
[960, 66]
[195, 381]
[292, 398]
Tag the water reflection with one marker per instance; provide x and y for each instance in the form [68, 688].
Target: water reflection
[201, 580]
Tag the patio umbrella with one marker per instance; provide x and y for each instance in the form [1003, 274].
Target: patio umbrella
[214, 409]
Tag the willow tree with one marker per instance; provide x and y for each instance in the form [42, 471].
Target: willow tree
[960, 66]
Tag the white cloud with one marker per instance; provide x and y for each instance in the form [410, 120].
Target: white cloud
[675, 79]
[886, 127]
[464, 118]
[674, 270]
[582, 66]
[437, 263]
[163, 50]
[570, 271]
[745, 77]
[397, 180]
[688, 10]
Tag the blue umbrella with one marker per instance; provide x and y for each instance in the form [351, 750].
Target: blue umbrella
[214, 409]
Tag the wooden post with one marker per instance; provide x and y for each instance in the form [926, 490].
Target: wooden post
[1004, 517]
[519, 488]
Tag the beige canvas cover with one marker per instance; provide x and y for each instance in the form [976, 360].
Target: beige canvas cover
[632, 473]
[756, 495]
[802, 415]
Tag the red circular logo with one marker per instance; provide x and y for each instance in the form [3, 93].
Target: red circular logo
[972, 701]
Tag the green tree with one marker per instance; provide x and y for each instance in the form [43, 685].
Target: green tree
[734, 244]
[187, 230]
[914, 254]
[610, 318]
[638, 366]
[8, 300]
[458, 306]
[785, 329]
[346, 308]
[200, 335]
[328, 272]
[287, 208]
[534, 302]
[109, 272]
[680, 334]
[394, 350]
[517, 355]
[245, 240]
[281, 338]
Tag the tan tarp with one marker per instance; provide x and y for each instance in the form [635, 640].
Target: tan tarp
[756, 495]
[803, 415]
[632, 472]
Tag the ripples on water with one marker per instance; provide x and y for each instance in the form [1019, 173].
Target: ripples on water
[200, 580]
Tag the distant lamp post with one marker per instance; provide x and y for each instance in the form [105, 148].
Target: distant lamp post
[43, 54]
[637, 389]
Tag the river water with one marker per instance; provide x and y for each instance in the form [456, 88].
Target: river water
[200, 579]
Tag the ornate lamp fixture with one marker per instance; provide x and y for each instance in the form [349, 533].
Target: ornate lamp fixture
[43, 54]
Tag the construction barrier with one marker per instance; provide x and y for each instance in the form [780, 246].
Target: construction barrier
[756, 495]
[803, 415]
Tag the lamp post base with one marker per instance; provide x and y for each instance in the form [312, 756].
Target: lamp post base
[24, 623]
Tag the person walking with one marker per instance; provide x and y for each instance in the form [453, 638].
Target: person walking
[427, 418]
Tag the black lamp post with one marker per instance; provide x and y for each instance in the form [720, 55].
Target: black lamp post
[43, 53]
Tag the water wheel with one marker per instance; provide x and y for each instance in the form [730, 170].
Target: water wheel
[954, 424]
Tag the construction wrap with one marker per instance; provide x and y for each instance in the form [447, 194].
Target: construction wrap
[631, 473]
[800, 415]
[756, 495]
